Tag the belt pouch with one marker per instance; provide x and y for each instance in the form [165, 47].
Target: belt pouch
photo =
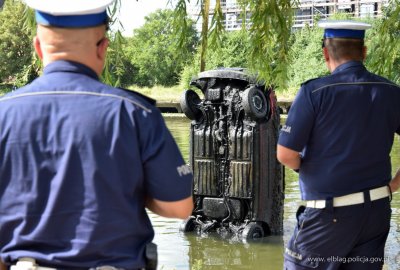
[151, 256]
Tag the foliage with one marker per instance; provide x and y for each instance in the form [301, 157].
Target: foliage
[116, 65]
[205, 11]
[159, 56]
[213, 30]
[307, 60]
[269, 34]
[306, 55]
[18, 34]
[269, 30]
[384, 46]
[234, 52]
[188, 72]
[16, 52]
[217, 27]
[180, 22]
[198, 264]
[159, 92]
[153, 52]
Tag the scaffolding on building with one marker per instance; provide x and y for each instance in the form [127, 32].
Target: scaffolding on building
[311, 10]
[307, 12]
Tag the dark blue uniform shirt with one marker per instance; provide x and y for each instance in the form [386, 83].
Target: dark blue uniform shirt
[344, 125]
[77, 158]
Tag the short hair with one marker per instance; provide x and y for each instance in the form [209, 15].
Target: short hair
[345, 48]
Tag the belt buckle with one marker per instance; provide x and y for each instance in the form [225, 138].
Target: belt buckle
[319, 204]
[24, 264]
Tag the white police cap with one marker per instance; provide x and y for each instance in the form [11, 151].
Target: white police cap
[70, 13]
[343, 28]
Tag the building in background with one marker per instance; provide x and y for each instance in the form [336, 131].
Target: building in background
[309, 10]
[306, 13]
[232, 12]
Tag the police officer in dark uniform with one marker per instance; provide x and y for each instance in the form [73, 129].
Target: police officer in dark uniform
[339, 134]
[80, 160]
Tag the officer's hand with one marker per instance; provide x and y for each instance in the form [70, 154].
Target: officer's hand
[395, 183]
[2, 266]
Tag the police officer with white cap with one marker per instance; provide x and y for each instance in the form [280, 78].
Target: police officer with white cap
[80, 160]
[338, 135]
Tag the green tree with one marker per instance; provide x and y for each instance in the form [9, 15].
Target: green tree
[384, 43]
[153, 50]
[235, 52]
[19, 63]
[16, 51]
[117, 67]
[307, 61]
[269, 32]
[270, 29]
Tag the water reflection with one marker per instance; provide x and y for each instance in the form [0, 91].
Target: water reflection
[189, 251]
[212, 252]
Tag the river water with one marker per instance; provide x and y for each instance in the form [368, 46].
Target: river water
[177, 250]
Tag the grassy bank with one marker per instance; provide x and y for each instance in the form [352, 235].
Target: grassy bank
[162, 93]
[169, 94]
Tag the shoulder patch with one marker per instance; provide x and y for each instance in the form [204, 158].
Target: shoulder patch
[148, 99]
[309, 80]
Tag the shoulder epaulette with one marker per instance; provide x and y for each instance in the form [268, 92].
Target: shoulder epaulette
[148, 99]
[310, 80]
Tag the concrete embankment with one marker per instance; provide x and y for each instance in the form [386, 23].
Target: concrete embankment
[175, 107]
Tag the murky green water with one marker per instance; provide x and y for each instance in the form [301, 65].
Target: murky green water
[187, 251]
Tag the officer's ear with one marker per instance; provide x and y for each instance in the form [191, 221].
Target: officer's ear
[326, 54]
[364, 52]
[102, 48]
[328, 61]
[38, 49]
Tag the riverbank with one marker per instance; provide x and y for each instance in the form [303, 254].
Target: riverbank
[175, 107]
[173, 93]
[168, 98]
